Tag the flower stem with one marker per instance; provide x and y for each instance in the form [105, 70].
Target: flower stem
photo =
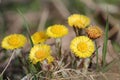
[58, 47]
[77, 31]
[85, 65]
[97, 55]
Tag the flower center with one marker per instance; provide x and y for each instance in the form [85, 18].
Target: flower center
[82, 46]
[13, 41]
[40, 54]
[94, 31]
[57, 29]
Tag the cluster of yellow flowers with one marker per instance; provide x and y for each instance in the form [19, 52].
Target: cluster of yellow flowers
[40, 51]
[81, 46]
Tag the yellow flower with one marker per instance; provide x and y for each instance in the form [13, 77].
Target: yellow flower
[82, 46]
[94, 32]
[79, 21]
[14, 41]
[57, 31]
[50, 59]
[39, 37]
[39, 53]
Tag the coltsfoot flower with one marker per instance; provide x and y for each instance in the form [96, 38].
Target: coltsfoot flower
[39, 37]
[94, 32]
[82, 47]
[14, 41]
[57, 31]
[39, 53]
[79, 21]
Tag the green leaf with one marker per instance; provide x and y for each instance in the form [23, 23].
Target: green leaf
[32, 68]
[26, 27]
[104, 50]
[107, 67]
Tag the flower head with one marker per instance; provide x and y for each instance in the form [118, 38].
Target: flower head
[82, 46]
[14, 41]
[57, 31]
[39, 53]
[39, 37]
[94, 32]
[79, 21]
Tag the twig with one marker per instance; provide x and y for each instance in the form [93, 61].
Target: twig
[61, 70]
[61, 8]
[8, 63]
[44, 17]
[104, 75]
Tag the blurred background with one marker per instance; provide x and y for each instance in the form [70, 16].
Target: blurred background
[40, 14]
